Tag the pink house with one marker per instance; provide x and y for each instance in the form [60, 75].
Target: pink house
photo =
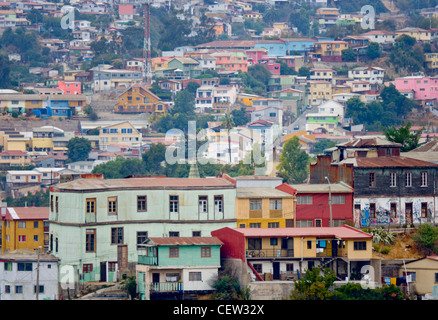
[425, 88]
[255, 55]
[70, 87]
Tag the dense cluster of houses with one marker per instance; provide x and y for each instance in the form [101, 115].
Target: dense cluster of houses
[175, 233]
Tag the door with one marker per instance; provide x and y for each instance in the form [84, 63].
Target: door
[276, 268]
[103, 272]
[155, 277]
[335, 244]
[408, 214]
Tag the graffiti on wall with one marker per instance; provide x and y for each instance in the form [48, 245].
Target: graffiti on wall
[401, 215]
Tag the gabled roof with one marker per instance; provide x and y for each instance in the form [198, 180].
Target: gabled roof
[27, 213]
[186, 241]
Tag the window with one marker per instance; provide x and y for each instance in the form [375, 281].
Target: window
[258, 268]
[35, 224]
[90, 240]
[338, 199]
[309, 244]
[91, 205]
[255, 205]
[195, 276]
[8, 266]
[273, 225]
[24, 266]
[87, 268]
[173, 233]
[142, 204]
[393, 179]
[372, 210]
[393, 210]
[219, 204]
[304, 200]
[173, 252]
[273, 241]
[112, 205]
[18, 289]
[173, 204]
[254, 243]
[304, 223]
[21, 238]
[112, 266]
[408, 179]
[275, 204]
[371, 179]
[116, 235]
[205, 252]
[318, 223]
[360, 245]
[21, 224]
[41, 289]
[196, 233]
[436, 277]
[424, 179]
[35, 238]
[142, 237]
[255, 225]
[203, 204]
[424, 209]
[7, 289]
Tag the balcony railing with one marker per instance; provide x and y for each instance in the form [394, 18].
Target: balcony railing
[270, 253]
[148, 260]
[166, 286]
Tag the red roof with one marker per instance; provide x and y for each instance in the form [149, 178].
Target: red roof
[126, 9]
[342, 232]
[393, 162]
[287, 188]
[27, 213]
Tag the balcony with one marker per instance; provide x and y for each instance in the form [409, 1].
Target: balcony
[270, 253]
[148, 260]
[159, 287]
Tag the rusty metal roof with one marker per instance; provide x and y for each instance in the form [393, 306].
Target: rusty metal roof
[186, 241]
[393, 162]
[369, 142]
[431, 146]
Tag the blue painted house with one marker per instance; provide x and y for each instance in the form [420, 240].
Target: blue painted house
[276, 48]
[301, 45]
[171, 266]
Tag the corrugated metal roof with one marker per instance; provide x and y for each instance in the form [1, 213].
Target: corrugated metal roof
[27, 213]
[322, 188]
[144, 183]
[186, 241]
[342, 232]
[393, 162]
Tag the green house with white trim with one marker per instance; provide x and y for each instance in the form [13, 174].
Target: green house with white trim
[174, 266]
[96, 224]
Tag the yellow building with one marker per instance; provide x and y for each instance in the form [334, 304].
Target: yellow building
[330, 51]
[12, 140]
[123, 133]
[25, 228]
[284, 253]
[70, 75]
[431, 60]
[423, 274]
[14, 158]
[264, 208]
[319, 91]
[138, 99]
[246, 99]
[417, 33]
[341, 89]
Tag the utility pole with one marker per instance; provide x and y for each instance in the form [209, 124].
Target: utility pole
[330, 202]
[37, 290]
[147, 72]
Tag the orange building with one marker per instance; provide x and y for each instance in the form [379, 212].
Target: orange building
[25, 228]
[231, 61]
[138, 99]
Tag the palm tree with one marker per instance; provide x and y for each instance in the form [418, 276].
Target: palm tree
[228, 123]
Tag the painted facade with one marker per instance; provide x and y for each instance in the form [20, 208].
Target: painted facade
[93, 222]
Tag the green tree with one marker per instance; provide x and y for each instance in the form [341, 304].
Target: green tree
[323, 144]
[427, 238]
[294, 162]
[240, 117]
[314, 285]
[373, 50]
[78, 149]
[153, 159]
[349, 55]
[404, 136]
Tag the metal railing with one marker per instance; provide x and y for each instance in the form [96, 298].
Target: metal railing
[270, 253]
[148, 260]
[166, 286]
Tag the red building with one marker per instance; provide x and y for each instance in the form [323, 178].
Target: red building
[70, 87]
[313, 206]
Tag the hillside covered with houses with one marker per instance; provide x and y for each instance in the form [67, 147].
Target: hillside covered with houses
[168, 145]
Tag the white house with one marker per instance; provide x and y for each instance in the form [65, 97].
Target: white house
[204, 98]
[373, 75]
[19, 271]
[380, 36]
[332, 107]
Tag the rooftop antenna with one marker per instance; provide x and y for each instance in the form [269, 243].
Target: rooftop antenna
[147, 73]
